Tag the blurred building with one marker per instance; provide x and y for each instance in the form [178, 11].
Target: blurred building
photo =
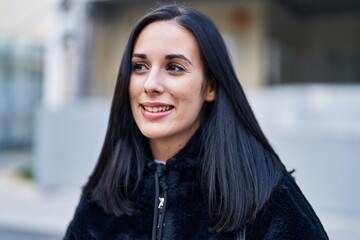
[22, 50]
[70, 49]
[278, 41]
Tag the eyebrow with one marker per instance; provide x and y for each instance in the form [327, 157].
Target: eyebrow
[172, 56]
[140, 55]
[168, 57]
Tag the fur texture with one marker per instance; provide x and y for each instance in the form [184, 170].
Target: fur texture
[287, 214]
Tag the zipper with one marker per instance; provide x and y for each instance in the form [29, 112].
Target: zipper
[160, 202]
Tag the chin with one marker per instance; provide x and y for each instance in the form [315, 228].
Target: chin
[151, 134]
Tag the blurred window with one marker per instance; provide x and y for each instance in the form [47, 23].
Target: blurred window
[21, 76]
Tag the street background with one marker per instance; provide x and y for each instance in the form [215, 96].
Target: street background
[298, 61]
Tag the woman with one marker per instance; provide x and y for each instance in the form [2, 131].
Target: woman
[184, 157]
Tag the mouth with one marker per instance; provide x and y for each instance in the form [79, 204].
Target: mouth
[157, 109]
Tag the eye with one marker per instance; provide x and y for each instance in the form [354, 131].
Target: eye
[176, 68]
[139, 67]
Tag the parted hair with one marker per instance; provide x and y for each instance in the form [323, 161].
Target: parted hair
[239, 170]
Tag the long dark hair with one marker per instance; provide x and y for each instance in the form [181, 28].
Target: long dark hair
[240, 168]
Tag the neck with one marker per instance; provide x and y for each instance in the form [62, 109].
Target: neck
[163, 152]
[164, 149]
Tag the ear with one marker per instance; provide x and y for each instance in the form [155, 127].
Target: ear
[210, 91]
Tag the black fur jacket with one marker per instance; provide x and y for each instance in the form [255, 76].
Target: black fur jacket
[181, 213]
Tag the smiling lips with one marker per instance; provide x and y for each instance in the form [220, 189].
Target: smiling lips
[157, 109]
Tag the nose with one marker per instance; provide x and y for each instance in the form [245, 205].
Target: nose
[153, 83]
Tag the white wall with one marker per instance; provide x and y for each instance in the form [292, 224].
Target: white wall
[68, 142]
[316, 131]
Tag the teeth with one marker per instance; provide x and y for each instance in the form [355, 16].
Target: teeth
[157, 109]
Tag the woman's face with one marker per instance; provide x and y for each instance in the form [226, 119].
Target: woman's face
[167, 84]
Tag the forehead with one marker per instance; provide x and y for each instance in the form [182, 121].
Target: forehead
[167, 36]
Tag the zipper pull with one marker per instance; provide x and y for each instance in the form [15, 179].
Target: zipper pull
[161, 202]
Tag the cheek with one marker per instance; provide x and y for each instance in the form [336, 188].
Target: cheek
[194, 92]
[131, 94]
[134, 91]
[192, 97]
[133, 101]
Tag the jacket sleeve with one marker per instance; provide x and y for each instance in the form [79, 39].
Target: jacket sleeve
[287, 215]
[80, 226]
[69, 235]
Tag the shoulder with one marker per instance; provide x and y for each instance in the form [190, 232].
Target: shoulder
[287, 215]
[87, 214]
